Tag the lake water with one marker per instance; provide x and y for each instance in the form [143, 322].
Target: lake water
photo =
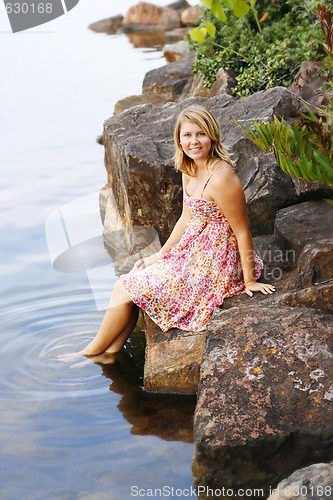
[66, 433]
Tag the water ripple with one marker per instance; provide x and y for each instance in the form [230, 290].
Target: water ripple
[35, 332]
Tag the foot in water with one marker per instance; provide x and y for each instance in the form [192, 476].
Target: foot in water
[105, 358]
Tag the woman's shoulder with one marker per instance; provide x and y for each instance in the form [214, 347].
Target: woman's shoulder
[222, 173]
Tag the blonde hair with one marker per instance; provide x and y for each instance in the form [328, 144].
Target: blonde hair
[206, 121]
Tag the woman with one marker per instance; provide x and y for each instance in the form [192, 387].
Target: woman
[209, 255]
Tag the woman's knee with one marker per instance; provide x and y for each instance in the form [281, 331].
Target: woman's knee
[120, 291]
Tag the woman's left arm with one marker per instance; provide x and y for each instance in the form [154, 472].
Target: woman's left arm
[227, 191]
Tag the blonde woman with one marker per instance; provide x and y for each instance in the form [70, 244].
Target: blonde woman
[208, 257]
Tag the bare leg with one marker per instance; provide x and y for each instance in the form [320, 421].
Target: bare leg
[119, 341]
[117, 319]
[118, 322]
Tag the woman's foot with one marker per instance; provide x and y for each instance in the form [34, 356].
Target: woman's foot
[105, 358]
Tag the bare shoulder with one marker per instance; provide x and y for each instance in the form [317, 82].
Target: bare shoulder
[224, 180]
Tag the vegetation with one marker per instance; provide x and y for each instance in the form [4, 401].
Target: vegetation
[264, 41]
[305, 148]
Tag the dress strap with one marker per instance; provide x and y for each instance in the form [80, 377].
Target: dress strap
[206, 183]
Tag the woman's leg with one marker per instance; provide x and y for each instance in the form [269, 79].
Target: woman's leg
[119, 341]
[118, 322]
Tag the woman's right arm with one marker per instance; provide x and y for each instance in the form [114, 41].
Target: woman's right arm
[175, 235]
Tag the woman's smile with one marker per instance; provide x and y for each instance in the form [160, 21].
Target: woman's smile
[195, 143]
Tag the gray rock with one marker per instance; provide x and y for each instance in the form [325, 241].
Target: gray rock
[265, 396]
[302, 224]
[175, 51]
[169, 81]
[311, 483]
[110, 25]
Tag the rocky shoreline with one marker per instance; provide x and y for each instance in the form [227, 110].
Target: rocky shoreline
[263, 370]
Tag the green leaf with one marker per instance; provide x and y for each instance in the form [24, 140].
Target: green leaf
[241, 8]
[218, 11]
[198, 34]
[207, 3]
[211, 29]
[229, 3]
[288, 166]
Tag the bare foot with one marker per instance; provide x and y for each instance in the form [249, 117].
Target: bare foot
[69, 357]
[104, 359]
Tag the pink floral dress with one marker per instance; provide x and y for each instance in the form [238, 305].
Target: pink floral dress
[182, 289]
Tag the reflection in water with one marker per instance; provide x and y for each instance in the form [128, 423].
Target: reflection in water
[168, 417]
[70, 433]
[153, 40]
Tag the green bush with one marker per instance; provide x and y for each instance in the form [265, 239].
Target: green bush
[290, 34]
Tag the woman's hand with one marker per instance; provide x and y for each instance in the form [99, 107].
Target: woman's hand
[254, 286]
[147, 261]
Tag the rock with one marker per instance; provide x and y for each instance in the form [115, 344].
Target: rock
[169, 81]
[317, 297]
[146, 16]
[139, 149]
[175, 51]
[302, 224]
[179, 5]
[308, 190]
[136, 100]
[172, 361]
[307, 85]
[110, 25]
[224, 82]
[198, 89]
[311, 483]
[190, 16]
[315, 265]
[265, 396]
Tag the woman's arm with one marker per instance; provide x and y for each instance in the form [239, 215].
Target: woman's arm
[226, 190]
[174, 237]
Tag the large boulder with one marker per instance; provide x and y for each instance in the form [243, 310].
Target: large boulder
[265, 396]
[169, 81]
[139, 150]
[146, 16]
[303, 224]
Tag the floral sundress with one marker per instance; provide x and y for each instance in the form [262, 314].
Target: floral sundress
[182, 288]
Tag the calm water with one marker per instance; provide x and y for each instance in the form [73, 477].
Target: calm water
[85, 432]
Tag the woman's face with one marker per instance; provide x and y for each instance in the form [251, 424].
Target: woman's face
[194, 142]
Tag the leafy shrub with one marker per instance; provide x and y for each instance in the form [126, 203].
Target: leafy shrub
[304, 149]
[290, 34]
